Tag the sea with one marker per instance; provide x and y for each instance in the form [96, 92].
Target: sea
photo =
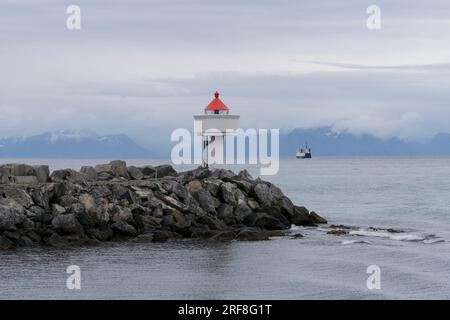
[408, 194]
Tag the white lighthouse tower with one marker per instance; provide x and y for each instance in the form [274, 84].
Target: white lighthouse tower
[213, 126]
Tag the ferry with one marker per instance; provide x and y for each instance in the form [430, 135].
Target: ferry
[303, 153]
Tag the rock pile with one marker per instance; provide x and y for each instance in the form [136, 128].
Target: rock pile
[116, 202]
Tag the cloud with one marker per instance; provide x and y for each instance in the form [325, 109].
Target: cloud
[145, 67]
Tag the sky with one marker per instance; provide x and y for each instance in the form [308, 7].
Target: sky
[143, 68]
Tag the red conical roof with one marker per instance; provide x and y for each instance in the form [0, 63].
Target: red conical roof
[216, 103]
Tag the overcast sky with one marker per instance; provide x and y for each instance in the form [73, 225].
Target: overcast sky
[145, 67]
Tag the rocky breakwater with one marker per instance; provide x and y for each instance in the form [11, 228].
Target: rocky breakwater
[116, 202]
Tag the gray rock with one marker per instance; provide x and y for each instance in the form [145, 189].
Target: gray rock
[206, 201]
[66, 223]
[14, 196]
[135, 173]
[315, 218]
[55, 240]
[211, 221]
[67, 175]
[57, 209]
[251, 235]
[118, 213]
[263, 194]
[5, 243]
[89, 172]
[242, 210]
[194, 187]
[40, 197]
[11, 217]
[148, 171]
[264, 221]
[124, 228]
[228, 191]
[165, 170]
[119, 167]
[42, 173]
[225, 211]
[22, 170]
[301, 217]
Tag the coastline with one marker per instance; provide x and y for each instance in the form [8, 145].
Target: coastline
[113, 202]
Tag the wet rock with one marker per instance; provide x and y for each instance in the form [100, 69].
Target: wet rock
[301, 217]
[275, 233]
[223, 236]
[338, 232]
[315, 218]
[5, 243]
[123, 228]
[264, 221]
[251, 235]
[135, 173]
[55, 240]
[296, 236]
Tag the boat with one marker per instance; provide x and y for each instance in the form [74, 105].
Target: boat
[303, 153]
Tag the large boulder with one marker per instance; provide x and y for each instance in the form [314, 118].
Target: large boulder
[301, 217]
[42, 173]
[67, 175]
[135, 173]
[263, 194]
[228, 191]
[10, 217]
[66, 223]
[119, 168]
[165, 170]
[89, 172]
[104, 172]
[315, 218]
[123, 228]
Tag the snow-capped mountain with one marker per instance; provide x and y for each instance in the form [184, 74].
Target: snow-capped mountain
[68, 143]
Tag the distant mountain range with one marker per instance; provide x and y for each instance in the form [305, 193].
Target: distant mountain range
[322, 141]
[71, 144]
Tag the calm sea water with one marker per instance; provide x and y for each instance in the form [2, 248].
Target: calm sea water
[412, 194]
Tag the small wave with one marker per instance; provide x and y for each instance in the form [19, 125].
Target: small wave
[433, 241]
[344, 242]
[389, 235]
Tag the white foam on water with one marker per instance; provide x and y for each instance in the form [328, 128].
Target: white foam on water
[432, 241]
[345, 242]
[388, 235]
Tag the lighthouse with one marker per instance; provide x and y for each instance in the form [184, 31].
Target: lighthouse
[213, 126]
